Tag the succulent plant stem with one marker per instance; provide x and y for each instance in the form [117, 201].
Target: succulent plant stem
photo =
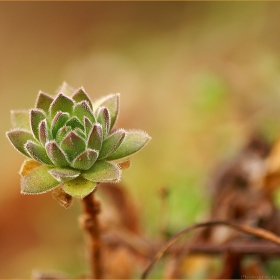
[90, 224]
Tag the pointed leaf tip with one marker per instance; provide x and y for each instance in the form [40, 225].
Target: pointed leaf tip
[18, 138]
[61, 103]
[104, 118]
[112, 143]
[95, 137]
[133, 142]
[43, 101]
[36, 116]
[37, 152]
[81, 95]
[73, 145]
[82, 109]
[56, 155]
[112, 103]
[85, 160]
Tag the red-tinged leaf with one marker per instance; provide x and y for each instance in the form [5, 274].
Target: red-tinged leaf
[38, 181]
[87, 125]
[73, 145]
[43, 101]
[103, 171]
[61, 103]
[20, 119]
[64, 174]
[81, 95]
[19, 138]
[36, 116]
[103, 117]
[56, 155]
[82, 110]
[112, 103]
[95, 137]
[37, 152]
[111, 143]
[43, 132]
[85, 160]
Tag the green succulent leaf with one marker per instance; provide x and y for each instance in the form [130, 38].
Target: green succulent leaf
[58, 121]
[103, 117]
[61, 103]
[56, 155]
[74, 123]
[61, 133]
[95, 137]
[43, 101]
[79, 187]
[63, 198]
[20, 119]
[36, 116]
[82, 110]
[64, 174]
[81, 95]
[132, 143]
[37, 152]
[112, 103]
[19, 138]
[43, 132]
[85, 160]
[38, 181]
[73, 145]
[103, 171]
[87, 125]
[112, 143]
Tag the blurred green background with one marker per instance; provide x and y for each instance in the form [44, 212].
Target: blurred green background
[199, 77]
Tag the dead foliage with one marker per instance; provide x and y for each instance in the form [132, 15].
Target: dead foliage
[242, 194]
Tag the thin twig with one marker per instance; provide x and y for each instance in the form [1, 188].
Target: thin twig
[259, 232]
[91, 226]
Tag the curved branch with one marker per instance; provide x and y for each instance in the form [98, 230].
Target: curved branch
[259, 232]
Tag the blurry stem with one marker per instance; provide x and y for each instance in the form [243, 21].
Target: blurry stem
[259, 232]
[163, 194]
[91, 225]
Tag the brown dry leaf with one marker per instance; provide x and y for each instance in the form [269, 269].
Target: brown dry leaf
[28, 166]
[124, 165]
[62, 197]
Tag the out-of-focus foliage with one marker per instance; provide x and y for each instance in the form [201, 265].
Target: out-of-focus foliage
[199, 77]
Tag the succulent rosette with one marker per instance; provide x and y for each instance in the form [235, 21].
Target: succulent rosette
[72, 143]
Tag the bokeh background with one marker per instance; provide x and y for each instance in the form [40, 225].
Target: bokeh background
[199, 77]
